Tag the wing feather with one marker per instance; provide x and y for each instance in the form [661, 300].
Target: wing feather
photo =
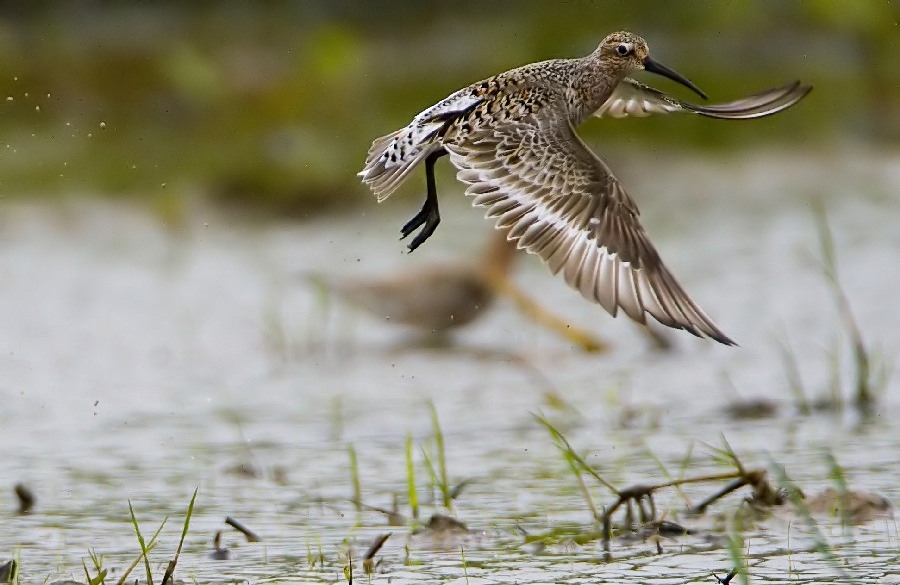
[635, 99]
[562, 203]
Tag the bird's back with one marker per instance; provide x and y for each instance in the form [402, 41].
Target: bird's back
[510, 95]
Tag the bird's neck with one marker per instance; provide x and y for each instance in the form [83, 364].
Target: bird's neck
[593, 86]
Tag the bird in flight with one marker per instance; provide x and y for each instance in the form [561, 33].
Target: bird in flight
[512, 139]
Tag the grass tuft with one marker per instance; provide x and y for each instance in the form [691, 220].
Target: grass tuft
[97, 562]
[147, 546]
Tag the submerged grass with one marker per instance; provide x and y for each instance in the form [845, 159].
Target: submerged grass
[576, 464]
[434, 458]
[638, 500]
[869, 377]
[794, 379]
[638, 493]
[465, 565]
[736, 552]
[797, 499]
[844, 506]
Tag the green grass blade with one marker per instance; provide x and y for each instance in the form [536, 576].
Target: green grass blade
[797, 499]
[862, 358]
[569, 453]
[794, 378]
[843, 489]
[145, 548]
[170, 570]
[412, 494]
[444, 483]
[354, 478]
[462, 552]
[142, 543]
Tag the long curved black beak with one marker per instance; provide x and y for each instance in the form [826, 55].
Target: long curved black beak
[660, 69]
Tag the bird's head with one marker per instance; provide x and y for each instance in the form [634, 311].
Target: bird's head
[627, 52]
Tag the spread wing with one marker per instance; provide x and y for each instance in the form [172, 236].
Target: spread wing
[562, 203]
[633, 98]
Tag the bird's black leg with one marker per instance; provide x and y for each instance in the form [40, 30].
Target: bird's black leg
[429, 215]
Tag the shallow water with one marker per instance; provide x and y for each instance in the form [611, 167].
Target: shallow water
[139, 363]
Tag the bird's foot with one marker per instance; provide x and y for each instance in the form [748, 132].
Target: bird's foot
[430, 217]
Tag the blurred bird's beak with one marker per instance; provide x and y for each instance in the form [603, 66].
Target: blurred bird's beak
[660, 69]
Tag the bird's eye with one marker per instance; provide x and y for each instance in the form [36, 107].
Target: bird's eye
[623, 49]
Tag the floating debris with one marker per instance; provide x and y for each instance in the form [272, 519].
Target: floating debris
[249, 534]
[369, 564]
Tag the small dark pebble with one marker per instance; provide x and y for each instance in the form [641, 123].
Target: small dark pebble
[667, 528]
[247, 470]
[26, 498]
[753, 409]
[220, 554]
[443, 524]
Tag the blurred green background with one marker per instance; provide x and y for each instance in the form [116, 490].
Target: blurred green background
[272, 105]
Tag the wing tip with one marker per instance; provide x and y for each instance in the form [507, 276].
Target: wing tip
[717, 335]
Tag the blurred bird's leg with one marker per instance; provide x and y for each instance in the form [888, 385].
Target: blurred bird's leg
[585, 340]
[429, 215]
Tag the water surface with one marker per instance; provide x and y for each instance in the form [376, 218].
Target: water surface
[139, 363]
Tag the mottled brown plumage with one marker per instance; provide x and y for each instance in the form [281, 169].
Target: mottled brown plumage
[512, 138]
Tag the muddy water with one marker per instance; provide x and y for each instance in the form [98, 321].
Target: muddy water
[138, 363]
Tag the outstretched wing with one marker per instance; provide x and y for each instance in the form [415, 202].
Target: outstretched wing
[633, 98]
[561, 202]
